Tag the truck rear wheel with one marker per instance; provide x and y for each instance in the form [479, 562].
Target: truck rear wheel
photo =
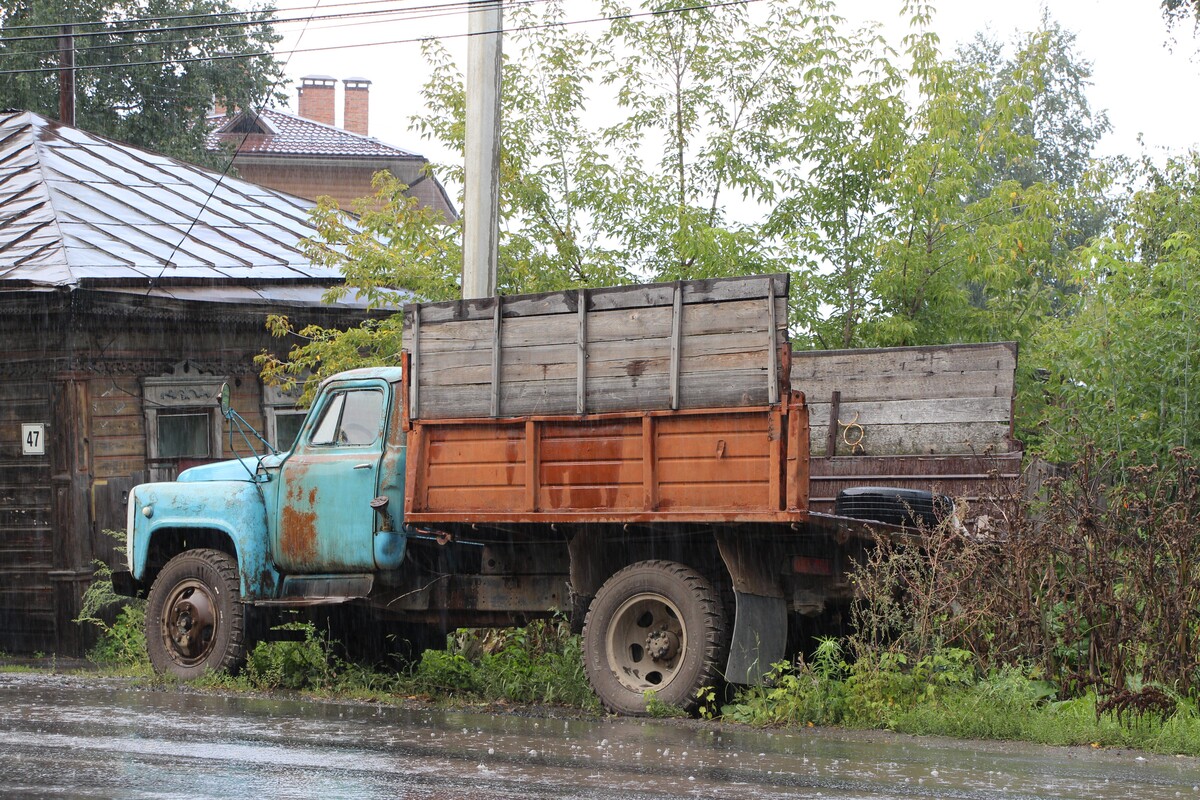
[195, 622]
[654, 626]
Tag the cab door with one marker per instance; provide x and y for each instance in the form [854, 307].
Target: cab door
[326, 523]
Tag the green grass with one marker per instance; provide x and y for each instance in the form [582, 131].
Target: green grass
[543, 663]
[942, 696]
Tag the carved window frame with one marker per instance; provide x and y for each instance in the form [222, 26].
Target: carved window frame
[185, 391]
[280, 403]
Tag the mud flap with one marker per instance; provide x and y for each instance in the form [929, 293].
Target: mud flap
[759, 637]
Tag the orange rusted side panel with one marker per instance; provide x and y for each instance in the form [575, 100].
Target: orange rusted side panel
[707, 465]
[798, 454]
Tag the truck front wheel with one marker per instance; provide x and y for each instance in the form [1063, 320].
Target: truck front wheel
[654, 626]
[195, 622]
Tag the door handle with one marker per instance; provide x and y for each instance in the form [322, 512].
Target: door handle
[367, 465]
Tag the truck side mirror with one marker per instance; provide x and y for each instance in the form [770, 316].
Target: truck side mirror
[223, 401]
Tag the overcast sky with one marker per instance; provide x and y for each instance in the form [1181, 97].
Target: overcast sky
[1146, 88]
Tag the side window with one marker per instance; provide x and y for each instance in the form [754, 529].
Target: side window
[351, 418]
[326, 430]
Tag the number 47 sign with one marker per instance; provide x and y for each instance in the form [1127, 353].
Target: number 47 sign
[33, 438]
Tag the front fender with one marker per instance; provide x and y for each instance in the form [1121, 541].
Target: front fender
[235, 508]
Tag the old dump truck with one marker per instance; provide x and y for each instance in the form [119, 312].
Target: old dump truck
[635, 456]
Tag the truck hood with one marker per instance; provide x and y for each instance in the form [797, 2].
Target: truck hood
[236, 470]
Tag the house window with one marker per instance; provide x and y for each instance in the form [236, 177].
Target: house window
[284, 420]
[183, 421]
[287, 428]
[184, 435]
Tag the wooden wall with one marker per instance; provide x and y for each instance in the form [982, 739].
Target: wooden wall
[948, 399]
[78, 368]
[931, 418]
[27, 612]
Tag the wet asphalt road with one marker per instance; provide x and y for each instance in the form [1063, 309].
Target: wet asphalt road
[84, 737]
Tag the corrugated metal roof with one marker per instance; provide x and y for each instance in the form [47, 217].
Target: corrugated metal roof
[76, 208]
[285, 134]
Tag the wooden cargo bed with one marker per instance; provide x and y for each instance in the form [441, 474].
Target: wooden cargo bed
[705, 465]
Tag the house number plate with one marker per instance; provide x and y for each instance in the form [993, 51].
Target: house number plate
[33, 438]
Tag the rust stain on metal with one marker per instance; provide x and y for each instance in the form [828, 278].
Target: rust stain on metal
[298, 535]
[512, 455]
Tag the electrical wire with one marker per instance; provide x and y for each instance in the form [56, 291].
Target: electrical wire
[215, 14]
[263, 19]
[375, 18]
[412, 40]
[216, 185]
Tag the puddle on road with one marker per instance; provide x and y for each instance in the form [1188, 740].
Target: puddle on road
[115, 740]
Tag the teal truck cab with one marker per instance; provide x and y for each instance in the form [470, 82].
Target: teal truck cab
[276, 529]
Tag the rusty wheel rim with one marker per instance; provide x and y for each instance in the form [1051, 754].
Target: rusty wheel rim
[189, 622]
[646, 643]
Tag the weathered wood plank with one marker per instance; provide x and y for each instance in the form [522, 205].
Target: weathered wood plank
[116, 405]
[770, 344]
[130, 425]
[942, 359]
[945, 399]
[415, 362]
[912, 386]
[497, 316]
[941, 438]
[116, 467]
[605, 393]
[914, 412]
[581, 356]
[695, 344]
[702, 354]
[676, 346]
[608, 298]
[128, 446]
[24, 390]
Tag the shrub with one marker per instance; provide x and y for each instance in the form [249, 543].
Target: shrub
[305, 663]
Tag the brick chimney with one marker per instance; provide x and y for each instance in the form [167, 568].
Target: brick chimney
[316, 98]
[357, 97]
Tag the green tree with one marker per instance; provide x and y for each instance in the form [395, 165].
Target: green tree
[917, 237]
[1121, 368]
[770, 140]
[961, 264]
[147, 71]
[1177, 11]
[391, 251]
[1058, 119]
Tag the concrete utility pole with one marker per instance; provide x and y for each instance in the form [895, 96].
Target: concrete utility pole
[481, 202]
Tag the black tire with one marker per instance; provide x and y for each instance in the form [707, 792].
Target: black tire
[654, 626]
[195, 620]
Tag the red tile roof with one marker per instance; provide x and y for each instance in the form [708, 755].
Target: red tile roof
[288, 134]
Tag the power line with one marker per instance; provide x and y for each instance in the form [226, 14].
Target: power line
[413, 40]
[263, 18]
[376, 17]
[214, 14]
[221, 178]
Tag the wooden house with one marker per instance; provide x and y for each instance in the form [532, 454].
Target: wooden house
[132, 286]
